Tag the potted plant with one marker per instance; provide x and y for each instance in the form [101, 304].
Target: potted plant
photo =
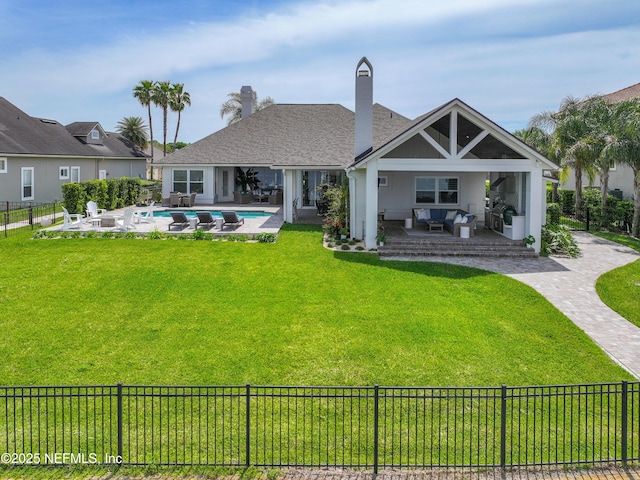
[381, 238]
[529, 240]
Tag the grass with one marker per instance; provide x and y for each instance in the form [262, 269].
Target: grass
[92, 311]
[620, 288]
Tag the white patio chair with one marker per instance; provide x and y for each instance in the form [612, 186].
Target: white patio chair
[94, 213]
[146, 215]
[125, 223]
[71, 220]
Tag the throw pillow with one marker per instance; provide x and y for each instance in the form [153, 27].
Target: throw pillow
[451, 214]
[426, 214]
[420, 214]
[458, 219]
[465, 219]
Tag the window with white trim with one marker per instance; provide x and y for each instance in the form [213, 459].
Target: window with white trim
[75, 174]
[64, 173]
[437, 190]
[188, 181]
[95, 135]
[27, 183]
[3, 165]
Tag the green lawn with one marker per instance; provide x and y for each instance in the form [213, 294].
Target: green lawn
[87, 311]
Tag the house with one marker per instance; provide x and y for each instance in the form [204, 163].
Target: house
[442, 159]
[620, 182]
[38, 155]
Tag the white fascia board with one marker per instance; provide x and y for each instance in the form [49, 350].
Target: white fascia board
[445, 165]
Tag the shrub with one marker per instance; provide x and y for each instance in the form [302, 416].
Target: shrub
[567, 199]
[558, 240]
[131, 235]
[201, 235]
[96, 190]
[359, 248]
[184, 236]
[553, 214]
[345, 246]
[155, 234]
[266, 237]
[237, 238]
[74, 197]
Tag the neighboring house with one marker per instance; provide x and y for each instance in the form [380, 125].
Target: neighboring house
[38, 155]
[439, 160]
[620, 175]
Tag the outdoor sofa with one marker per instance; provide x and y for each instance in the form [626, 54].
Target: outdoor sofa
[451, 219]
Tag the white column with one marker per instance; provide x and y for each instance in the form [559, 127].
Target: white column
[289, 191]
[371, 211]
[536, 212]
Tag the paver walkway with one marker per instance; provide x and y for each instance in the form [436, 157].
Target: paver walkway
[569, 284]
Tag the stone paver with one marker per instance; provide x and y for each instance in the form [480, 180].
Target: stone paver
[569, 284]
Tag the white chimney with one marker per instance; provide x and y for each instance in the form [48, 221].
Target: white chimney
[247, 97]
[364, 107]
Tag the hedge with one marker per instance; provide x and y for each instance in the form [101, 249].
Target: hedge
[109, 194]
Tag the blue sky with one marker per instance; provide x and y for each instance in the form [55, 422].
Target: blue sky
[74, 60]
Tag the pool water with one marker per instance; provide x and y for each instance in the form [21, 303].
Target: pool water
[214, 213]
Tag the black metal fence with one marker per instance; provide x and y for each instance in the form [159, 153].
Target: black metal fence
[362, 427]
[15, 216]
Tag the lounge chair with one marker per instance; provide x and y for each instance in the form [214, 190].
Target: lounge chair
[71, 220]
[231, 218]
[125, 223]
[145, 215]
[94, 213]
[179, 219]
[174, 199]
[205, 219]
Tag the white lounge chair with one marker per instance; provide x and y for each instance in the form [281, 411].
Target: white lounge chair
[71, 220]
[125, 223]
[145, 215]
[94, 213]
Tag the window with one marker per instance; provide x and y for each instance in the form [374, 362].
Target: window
[95, 135]
[437, 190]
[64, 173]
[3, 165]
[27, 183]
[188, 181]
[75, 174]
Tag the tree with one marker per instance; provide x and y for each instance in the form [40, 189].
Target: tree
[571, 134]
[162, 98]
[624, 146]
[134, 130]
[143, 92]
[232, 108]
[177, 102]
[541, 140]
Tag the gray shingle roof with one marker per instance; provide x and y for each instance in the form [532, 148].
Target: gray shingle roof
[281, 135]
[23, 134]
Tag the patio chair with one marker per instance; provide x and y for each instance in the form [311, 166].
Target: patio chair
[145, 215]
[174, 199]
[125, 223]
[205, 219]
[94, 213]
[179, 219]
[188, 200]
[231, 218]
[71, 220]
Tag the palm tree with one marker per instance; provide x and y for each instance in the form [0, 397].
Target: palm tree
[570, 132]
[625, 147]
[179, 99]
[134, 130]
[233, 107]
[162, 98]
[143, 92]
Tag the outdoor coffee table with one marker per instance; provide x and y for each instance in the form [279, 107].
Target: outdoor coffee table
[435, 226]
[109, 220]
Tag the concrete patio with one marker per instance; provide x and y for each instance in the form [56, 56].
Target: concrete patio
[252, 225]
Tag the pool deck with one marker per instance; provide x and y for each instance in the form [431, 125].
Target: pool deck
[251, 226]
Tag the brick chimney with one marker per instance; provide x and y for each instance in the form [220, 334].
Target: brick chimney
[247, 97]
[364, 107]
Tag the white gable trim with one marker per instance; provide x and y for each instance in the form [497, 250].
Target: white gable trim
[456, 107]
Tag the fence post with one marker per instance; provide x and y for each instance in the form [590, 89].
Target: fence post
[376, 397]
[503, 427]
[31, 216]
[248, 424]
[6, 221]
[120, 422]
[587, 215]
[625, 422]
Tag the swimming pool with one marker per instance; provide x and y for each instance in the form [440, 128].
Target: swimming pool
[214, 213]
